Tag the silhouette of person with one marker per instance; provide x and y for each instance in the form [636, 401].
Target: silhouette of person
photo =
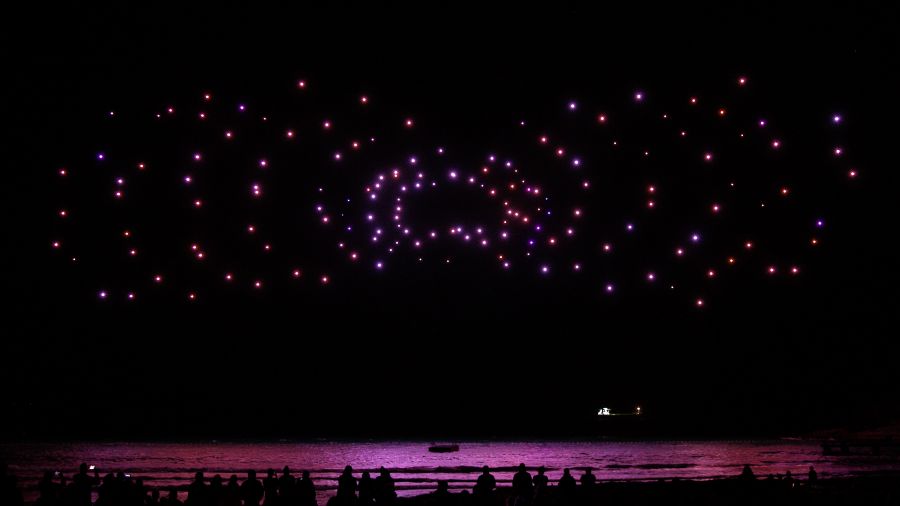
[366, 489]
[485, 484]
[788, 480]
[232, 496]
[566, 484]
[153, 500]
[522, 484]
[137, 494]
[347, 485]
[442, 495]
[172, 499]
[286, 487]
[82, 484]
[747, 473]
[251, 490]
[813, 476]
[270, 484]
[306, 490]
[384, 487]
[588, 480]
[216, 491]
[541, 483]
[48, 490]
[198, 492]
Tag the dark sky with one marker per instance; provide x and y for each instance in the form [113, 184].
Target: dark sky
[454, 355]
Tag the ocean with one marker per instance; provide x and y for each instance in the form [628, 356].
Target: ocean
[416, 470]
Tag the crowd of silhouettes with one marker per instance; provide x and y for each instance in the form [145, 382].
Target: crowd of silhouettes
[121, 489]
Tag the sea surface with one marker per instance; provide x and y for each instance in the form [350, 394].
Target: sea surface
[416, 470]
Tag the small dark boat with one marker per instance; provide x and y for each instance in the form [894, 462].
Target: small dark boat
[443, 448]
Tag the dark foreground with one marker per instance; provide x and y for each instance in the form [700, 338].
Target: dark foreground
[838, 491]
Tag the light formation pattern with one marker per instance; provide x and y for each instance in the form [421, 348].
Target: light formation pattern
[213, 195]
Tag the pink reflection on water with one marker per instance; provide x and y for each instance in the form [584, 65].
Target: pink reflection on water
[416, 470]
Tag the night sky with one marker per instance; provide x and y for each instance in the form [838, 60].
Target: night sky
[656, 145]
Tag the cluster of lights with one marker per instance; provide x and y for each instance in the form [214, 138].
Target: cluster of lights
[522, 224]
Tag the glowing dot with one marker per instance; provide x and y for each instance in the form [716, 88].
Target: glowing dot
[601, 118]
[838, 151]
[695, 237]
[784, 191]
[55, 244]
[326, 124]
[63, 213]
[795, 270]
[545, 269]
[710, 273]
[679, 251]
[229, 276]
[325, 280]
[157, 279]
[192, 296]
[609, 288]
[364, 100]
[100, 156]
[102, 294]
[198, 203]
[708, 157]
[721, 112]
[715, 208]
[408, 123]
[836, 119]
[742, 80]
[776, 144]
[301, 84]
[257, 284]
[638, 96]
[852, 173]
[62, 172]
[771, 269]
[651, 276]
[572, 106]
[197, 156]
[289, 134]
[699, 302]
[607, 247]
[748, 245]
[693, 100]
